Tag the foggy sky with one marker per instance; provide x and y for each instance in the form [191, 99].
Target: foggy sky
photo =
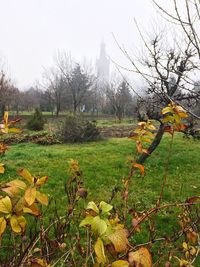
[33, 31]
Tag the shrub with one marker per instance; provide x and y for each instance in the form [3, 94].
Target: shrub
[76, 129]
[36, 123]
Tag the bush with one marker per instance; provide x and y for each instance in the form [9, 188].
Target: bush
[36, 123]
[76, 129]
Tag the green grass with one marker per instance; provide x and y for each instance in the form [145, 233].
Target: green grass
[105, 163]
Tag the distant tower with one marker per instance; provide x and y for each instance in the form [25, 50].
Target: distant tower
[103, 65]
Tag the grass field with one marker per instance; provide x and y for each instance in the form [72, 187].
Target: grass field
[105, 163]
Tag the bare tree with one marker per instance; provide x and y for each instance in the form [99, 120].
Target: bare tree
[168, 70]
[6, 90]
[55, 88]
[119, 98]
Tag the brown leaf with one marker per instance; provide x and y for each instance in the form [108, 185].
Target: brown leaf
[135, 224]
[169, 129]
[193, 199]
[192, 236]
[141, 257]
[119, 240]
[11, 190]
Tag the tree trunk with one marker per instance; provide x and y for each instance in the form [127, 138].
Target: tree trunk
[153, 145]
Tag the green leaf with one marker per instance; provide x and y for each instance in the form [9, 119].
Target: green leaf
[104, 207]
[92, 206]
[99, 250]
[98, 226]
[120, 263]
[87, 221]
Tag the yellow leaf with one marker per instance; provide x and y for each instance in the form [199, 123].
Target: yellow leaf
[41, 181]
[39, 263]
[141, 257]
[2, 225]
[33, 209]
[42, 198]
[119, 240]
[99, 250]
[86, 221]
[30, 195]
[140, 167]
[5, 205]
[18, 183]
[14, 130]
[120, 263]
[19, 205]
[151, 127]
[2, 169]
[18, 223]
[105, 207]
[5, 118]
[26, 175]
[92, 206]
[182, 115]
[167, 110]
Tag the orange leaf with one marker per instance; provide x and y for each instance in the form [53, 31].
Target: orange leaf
[140, 167]
[2, 169]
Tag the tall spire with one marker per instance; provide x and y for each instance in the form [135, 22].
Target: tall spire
[103, 64]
